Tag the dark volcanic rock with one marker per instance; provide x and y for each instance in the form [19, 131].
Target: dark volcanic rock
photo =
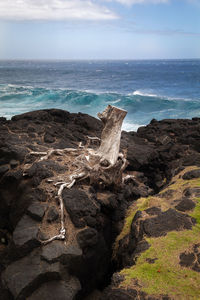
[187, 259]
[3, 169]
[155, 154]
[79, 206]
[38, 195]
[120, 294]
[141, 247]
[87, 237]
[52, 214]
[23, 191]
[10, 150]
[196, 267]
[167, 194]
[127, 294]
[185, 204]
[23, 276]
[138, 155]
[14, 163]
[58, 290]
[192, 174]
[133, 243]
[163, 159]
[153, 211]
[3, 120]
[26, 233]
[191, 259]
[198, 258]
[188, 192]
[57, 250]
[151, 260]
[37, 210]
[14, 195]
[38, 172]
[48, 138]
[167, 221]
[43, 236]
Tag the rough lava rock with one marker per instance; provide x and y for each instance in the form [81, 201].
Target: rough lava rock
[160, 245]
[24, 275]
[59, 290]
[167, 221]
[36, 211]
[94, 216]
[80, 206]
[26, 232]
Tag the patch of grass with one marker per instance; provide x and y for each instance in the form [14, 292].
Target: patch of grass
[141, 204]
[165, 275]
[183, 184]
[179, 184]
[196, 213]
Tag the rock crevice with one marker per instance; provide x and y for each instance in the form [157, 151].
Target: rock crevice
[94, 215]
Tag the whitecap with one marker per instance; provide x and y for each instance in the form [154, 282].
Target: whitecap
[161, 97]
[140, 93]
[128, 126]
[115, 101]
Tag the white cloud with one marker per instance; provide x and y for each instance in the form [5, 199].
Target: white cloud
[131, 2]
[54, 10]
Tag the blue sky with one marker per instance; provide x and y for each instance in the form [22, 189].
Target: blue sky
[97, 29]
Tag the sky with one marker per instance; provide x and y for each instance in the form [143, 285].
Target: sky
[99, 29]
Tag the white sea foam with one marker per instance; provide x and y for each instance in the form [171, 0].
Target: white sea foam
[128, 126]
[147, 94]
[141, 93]
[19, 86]
[115, 101]
[98, 92]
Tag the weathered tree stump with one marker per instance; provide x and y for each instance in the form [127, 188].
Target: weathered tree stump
[104, 166]
[112, 119]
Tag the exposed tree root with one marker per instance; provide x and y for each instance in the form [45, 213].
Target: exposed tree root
[128, 177]
[103, 166]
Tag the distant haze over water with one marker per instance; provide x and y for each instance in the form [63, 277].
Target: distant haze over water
[147, 89]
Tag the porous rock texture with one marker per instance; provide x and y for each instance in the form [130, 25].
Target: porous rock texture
[81, 265]
[158, 250]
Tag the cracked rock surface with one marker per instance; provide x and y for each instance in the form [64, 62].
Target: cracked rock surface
[81, 265]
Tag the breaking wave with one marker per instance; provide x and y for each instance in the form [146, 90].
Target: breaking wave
[141, 106]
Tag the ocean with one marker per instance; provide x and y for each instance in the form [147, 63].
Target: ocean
[147, 89]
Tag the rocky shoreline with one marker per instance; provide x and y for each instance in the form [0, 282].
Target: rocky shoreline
[100, 241]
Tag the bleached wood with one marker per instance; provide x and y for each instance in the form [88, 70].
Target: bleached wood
[112, 118]
[103, 166]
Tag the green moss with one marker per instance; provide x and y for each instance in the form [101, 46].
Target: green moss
[141, 204]
[196, 213]
[144, 203]
[182, 184]
[165, 275]
[179, 184]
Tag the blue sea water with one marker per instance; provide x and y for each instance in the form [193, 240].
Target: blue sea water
[147, 89]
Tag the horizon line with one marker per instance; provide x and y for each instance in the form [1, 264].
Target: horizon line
[92, 59]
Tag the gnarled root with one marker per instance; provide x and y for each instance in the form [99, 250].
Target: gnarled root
[50, 152]
[103, 166]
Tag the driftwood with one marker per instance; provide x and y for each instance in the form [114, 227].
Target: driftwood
[112, 119]
[104, 166]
